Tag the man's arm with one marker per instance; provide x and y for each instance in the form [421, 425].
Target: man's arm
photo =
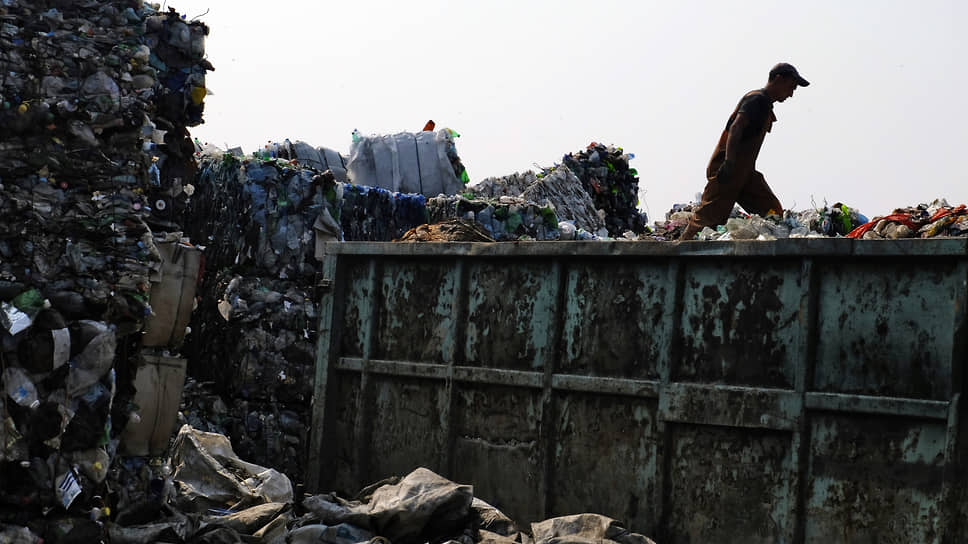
[732, 146]
[735, 134]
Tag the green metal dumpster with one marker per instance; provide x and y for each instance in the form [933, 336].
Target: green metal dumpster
[802, 390]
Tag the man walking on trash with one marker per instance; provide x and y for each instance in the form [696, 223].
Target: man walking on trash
[731, 173]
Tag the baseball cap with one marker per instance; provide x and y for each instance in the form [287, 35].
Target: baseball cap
[785, 69]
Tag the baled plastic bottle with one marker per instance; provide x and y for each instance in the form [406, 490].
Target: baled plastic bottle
[19, 387]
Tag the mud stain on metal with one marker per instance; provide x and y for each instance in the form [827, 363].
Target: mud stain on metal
[622, 335]
[740, 324]
[510, 317]
[606, 439]
[886, 330]
[726, 483]
[357, 311]
[498, 447]
[416, 317]
[408, 425]
[874, 479]
[340, 444]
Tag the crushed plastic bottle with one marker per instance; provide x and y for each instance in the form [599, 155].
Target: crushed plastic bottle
[20, 388]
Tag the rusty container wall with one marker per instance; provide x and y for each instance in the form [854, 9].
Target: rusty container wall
[791, 391]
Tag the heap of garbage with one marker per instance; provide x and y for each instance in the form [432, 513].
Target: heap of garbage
[922, 221]
[204, 492]
[95, 98]
[614, 187]
[936, 219]
[829, 221]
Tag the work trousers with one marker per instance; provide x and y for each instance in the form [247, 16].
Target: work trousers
[745, 187]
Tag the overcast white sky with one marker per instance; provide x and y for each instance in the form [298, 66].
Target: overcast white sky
[882, 124]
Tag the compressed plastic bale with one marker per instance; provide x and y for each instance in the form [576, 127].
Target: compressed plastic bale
[398, 162]
[431, 176]
[334, 162]
[408, 163]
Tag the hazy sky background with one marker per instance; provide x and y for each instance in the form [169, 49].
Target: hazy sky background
[882, 124]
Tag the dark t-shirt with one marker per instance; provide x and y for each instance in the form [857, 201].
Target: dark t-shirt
[757, 107]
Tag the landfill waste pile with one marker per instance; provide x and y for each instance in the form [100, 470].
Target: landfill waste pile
[506, 218]
[614, 187]
[448, 230]
[922, 221]
[95, 161]
[830, 221]
[424, 163]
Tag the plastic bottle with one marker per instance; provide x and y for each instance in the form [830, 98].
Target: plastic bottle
[18, 386]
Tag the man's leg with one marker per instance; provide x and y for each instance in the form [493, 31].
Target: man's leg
[757, 197]
[717, 201]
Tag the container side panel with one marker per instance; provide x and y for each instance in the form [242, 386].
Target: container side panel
[615, 319]
[509, 321]
[498, 448]
[416, 317]
[407, 429]
[340, 441]
[605, 458]
[887, 329]
[740, 323]
[730, 485]
[357, 311]
[874, 479]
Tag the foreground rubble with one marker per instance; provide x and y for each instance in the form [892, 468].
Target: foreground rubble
[204, 493]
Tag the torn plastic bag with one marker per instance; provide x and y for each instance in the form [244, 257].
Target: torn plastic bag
[420, 508]
[493, 520]
[209, 475]
[175, 527]
[584, 529]
[248, 521]
[344, 533]
[95, 359]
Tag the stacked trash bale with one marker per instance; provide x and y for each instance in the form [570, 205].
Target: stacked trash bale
[614, 187]
[375, 214]
[94, 100]
[319, 158]
[424, 163]
[558, 188]
[253, 333]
